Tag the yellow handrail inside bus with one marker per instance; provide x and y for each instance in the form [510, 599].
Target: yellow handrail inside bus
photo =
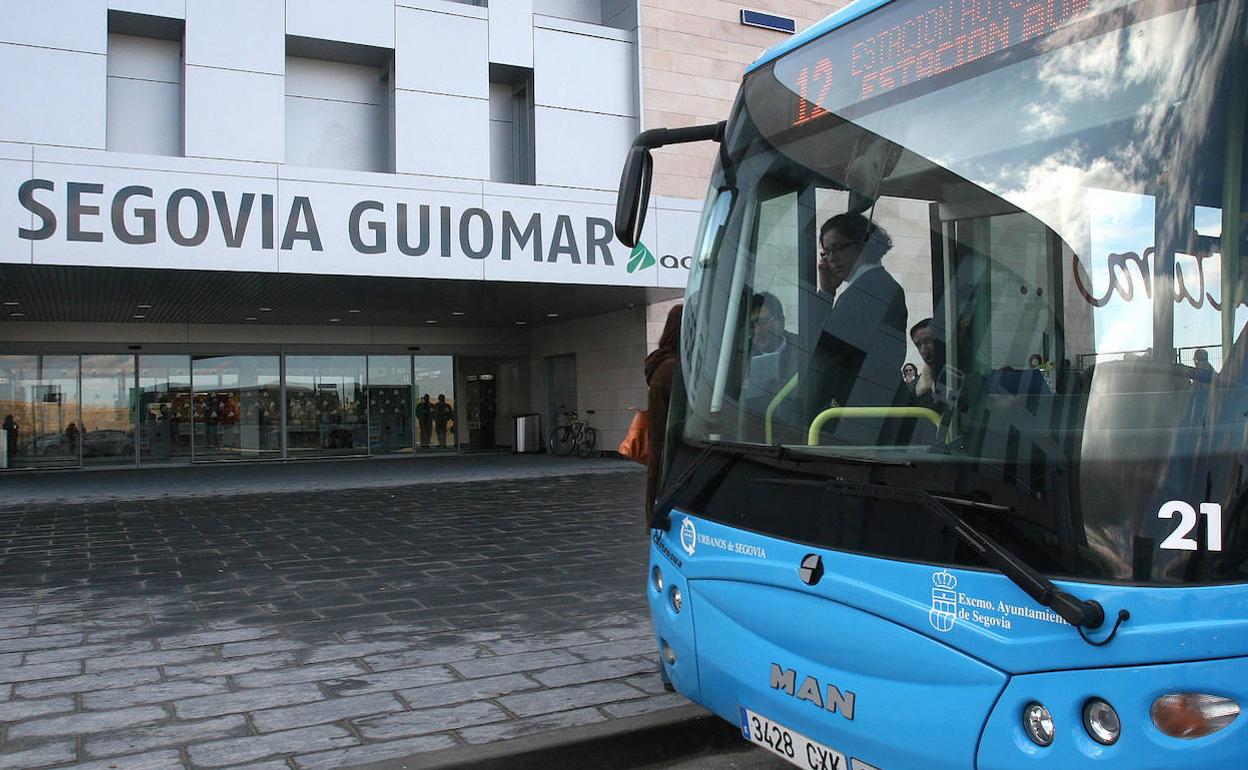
[775, 402]
[868, 412]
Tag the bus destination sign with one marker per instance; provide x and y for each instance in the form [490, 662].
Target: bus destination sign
[884, 50]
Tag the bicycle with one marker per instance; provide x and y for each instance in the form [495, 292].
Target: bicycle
[576, 436]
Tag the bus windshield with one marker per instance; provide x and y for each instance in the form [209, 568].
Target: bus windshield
[1007, 264]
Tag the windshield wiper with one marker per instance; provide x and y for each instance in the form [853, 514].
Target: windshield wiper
[728, 453]
[1080, 613]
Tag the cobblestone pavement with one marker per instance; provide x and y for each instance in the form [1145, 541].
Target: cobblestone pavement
[147, 483]
[320, 629]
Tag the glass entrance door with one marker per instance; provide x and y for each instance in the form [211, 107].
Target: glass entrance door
[325, 406]
[435, 409]
[165, 407]
[108, 407]
[236, 409]
[39, 404]
[390, 405]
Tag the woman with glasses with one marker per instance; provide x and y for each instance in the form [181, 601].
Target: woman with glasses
[861, 341]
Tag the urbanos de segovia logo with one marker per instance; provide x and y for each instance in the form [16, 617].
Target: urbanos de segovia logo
[640, 258]
[688, 536]
[944, 601]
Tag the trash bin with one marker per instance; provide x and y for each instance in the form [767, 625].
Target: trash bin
[528, 433]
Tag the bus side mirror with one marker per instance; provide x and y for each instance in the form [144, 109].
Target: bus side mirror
[634, 196]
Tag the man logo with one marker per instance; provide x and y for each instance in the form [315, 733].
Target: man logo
[640, 258]
[688, 536]
[811, 571]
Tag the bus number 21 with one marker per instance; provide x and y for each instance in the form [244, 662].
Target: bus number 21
[1179, 540]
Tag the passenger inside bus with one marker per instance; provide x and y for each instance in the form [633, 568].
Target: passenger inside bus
[774, 352]
[931, 389]
[861, 326]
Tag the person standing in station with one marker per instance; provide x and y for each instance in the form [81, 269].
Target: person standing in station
[10, 436]
[424, 418]
[659, 367]
[443, 413]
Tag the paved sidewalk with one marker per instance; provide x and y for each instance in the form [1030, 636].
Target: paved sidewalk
[323, 628]
[93, 484]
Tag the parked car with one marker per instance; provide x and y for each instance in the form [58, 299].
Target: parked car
[107, 442]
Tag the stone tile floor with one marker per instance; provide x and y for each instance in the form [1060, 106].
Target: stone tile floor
[324, 628]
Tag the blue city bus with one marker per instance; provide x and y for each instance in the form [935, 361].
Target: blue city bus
[955, 470]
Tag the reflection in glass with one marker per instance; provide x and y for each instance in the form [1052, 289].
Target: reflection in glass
[39, 404]
[235, 411]
[325, 408]
[165, 408]
[389, 404]
[435, 409]
[107, 409]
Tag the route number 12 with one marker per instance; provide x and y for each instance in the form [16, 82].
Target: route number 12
[1178, 539]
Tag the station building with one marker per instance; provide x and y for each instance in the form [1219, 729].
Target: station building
[264, 230]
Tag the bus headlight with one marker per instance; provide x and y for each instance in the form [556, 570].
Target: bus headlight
[1101, 722]
[1192, 714]
[1038, 724]
[656, 578]
[677, 600]
[669, 654]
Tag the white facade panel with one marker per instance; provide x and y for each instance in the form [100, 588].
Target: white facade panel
[675, 230]
[236, 115]
[511, 33]
[170, 9]
[319, 79]
[144, 95]
[236, 34]
[60, 93]
[13, 173]
[571, 71]
[15, 151]
[72, 25]
[189, 167]
[581, 149]
[502, 150]
[335, 134]
[441, 53]
[144, 116]
[366, 22]
[588, 11]
[145, 58]
[442, 135]
[288, 173]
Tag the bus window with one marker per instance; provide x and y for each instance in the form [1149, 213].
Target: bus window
[1003, 274]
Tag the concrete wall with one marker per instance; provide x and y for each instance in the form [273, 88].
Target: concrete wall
[693, 54]
[610, 350]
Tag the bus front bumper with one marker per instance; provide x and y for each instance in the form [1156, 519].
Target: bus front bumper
[1131, 691]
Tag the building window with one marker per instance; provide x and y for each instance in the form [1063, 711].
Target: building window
[144, 96]
[338, 105]
[511, 125]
